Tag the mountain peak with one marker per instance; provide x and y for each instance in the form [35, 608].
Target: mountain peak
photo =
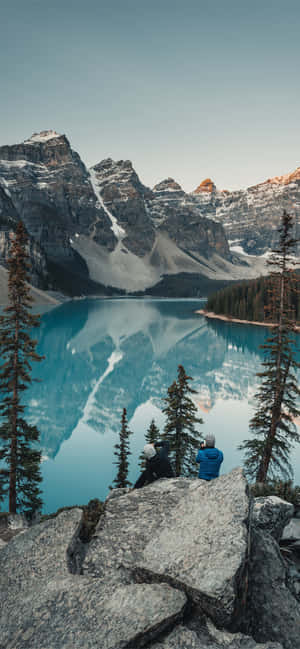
[207, 185]
[286, 179]
[42, 137]
[167, 185]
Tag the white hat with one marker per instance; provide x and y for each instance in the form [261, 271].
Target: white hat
[210, 440]
[149, 451]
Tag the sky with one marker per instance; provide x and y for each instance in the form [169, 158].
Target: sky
[187, 90]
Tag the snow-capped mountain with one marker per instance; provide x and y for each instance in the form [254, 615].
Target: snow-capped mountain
[50, 190]
[103, 228]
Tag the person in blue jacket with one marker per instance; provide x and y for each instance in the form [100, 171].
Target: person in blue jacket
[210, 459]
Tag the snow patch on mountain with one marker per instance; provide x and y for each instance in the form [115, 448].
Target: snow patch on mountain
[20, 164]
[5, 185]
[43, 136]
[118, 231]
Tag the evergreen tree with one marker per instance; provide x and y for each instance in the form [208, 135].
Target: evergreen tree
[272, 425]
[20, 477]
[180, 429]
[151, 437]
[122, 453]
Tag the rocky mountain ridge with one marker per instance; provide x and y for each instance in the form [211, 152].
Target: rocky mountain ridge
[103, 228]
[251, 216]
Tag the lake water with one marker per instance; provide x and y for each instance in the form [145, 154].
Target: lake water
[104, 355]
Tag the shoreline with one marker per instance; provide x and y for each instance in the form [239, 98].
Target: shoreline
[225, 318]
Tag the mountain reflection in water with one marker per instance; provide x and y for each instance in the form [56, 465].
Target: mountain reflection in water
[106, 355]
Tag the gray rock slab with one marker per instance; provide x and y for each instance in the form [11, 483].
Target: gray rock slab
[203, 548]
[39, 552]
[43, 606]
[274, 611]
[227, 640]
[189, 533]
[184, 638]
[272, 514]
[77, 612]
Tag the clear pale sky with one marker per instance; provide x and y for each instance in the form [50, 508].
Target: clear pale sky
[183, 89]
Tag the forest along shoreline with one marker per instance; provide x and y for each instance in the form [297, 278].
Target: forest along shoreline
[226, 318]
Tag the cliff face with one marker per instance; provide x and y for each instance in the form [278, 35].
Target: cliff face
[51, 192]
[251, 216]
[173, 212]
[9, 218]
[125, 197]
[143, 213]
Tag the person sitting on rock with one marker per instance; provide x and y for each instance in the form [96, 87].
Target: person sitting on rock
[210, 459]
[157, 464]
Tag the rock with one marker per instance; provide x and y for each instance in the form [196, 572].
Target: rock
[167, 531]
[251, 216]
[17, 521]
[178, 214]
[272, 514]
[37, 587]
[292, 530]
[166, 569]
[207, 185]
[124, 196]
[184, 638]
[84, 616]
[9, 218]
[11, 525]
[237, 640]
[2, 544]
[274, 612]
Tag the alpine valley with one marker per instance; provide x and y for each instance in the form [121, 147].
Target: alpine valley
[100, 231]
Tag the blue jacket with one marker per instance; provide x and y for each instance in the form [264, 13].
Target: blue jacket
[210, 461]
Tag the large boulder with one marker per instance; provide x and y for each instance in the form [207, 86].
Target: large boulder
[272, 514]
[43, 605]
[274, 611]
[189, 533]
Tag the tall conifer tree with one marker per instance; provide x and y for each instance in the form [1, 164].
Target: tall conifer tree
[122, 453]
[20, 477]
[151, 437]
[272, 426]
[180, 428]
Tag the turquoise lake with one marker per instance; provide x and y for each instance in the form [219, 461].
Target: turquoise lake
[104, 355]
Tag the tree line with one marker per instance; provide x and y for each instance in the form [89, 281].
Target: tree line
[249, 300]
[273, 430]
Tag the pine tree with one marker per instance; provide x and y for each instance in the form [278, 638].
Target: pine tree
[20, 477]
[122, 453]
[180, 425]
[273, 428]
[151, 437]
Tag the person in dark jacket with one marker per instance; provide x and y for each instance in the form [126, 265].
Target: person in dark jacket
[157, 464]
[210, 459]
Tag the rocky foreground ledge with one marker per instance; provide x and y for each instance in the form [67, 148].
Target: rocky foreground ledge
[180, 564]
